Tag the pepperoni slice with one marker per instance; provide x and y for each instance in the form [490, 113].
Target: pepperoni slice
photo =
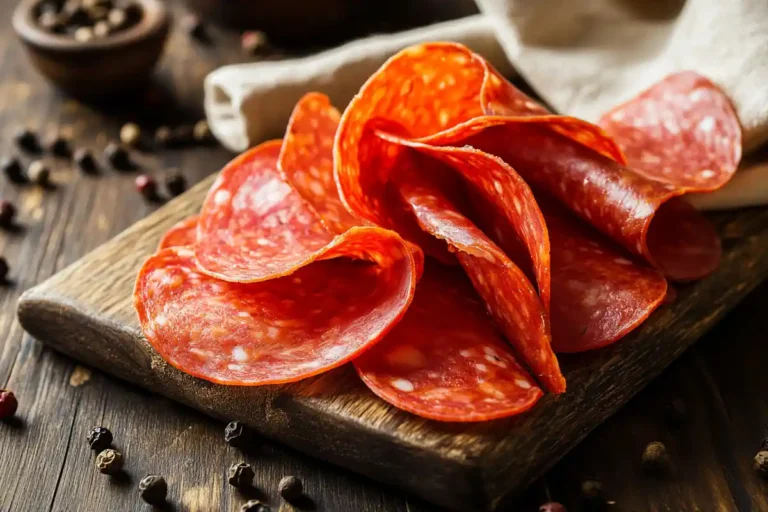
[446, 360]
[275, 331]
[683, 131]
[181, 233]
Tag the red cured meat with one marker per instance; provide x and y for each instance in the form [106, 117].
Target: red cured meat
[446, 360]
[275, 331]
[181, 233]
[683, 131]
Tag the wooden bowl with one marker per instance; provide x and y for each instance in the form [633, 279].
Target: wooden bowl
[100, 67]
[298, 20]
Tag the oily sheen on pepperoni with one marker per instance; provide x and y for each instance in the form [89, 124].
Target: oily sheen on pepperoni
[446, 360]
[275, 331]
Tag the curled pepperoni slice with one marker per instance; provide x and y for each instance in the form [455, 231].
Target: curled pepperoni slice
[446, 360]
[274, 331]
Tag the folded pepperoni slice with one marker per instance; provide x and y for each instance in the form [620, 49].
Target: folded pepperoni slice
[446, 360]
[181, 233]
[275, 331]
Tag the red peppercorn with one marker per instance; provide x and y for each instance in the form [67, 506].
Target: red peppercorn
[8, 404]
[146, 186]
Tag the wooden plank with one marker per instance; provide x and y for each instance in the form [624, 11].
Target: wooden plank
[86, 312]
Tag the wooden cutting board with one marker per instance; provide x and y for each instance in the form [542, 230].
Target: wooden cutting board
[86, 312]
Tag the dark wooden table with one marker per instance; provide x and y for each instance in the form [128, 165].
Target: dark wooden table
[45, 463]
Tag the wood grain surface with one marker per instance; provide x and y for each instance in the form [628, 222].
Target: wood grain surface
[46, 465]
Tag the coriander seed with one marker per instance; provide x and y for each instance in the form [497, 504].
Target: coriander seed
[130, 134]
[290, 488]
[110, 461]
[83, 34]
[99, 438]
[241, 475]
[8, 404]
[655, 459]
[153, 489]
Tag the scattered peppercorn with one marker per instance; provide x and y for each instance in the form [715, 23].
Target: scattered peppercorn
[117, 18]
[592, 493]
[83, 34]
[85, 19]
[236, 434]
[253, 41]
[99, 438]
[27, 140]
[676, 412]
[7, 213]
[552, 507]
[110, 461]
[656, 460]
[4, 270]
[118, 156]
[85, 161]
[176, 184]
[254, 506]
[761, 462]
[163, 137]
[60, 147]
[290, 488]
[12, 170]
[153, 489]
[50, 21]
[202, 132]
[146, 186]
[101, 29]
[8, 404]
[130, 135]
[241, 475]
[195, 27]
[39, 173]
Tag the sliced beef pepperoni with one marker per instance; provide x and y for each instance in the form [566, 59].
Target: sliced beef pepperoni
[274, 331]
[181, 233]
[683, 131]
[446, 360]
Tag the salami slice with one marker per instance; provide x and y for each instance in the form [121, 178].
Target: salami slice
[683, 131]
[181, 233]
[446, 360]
[274, 331]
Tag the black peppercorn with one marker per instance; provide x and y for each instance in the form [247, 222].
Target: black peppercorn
[27, 140]
[60, 147]
[12, 170]
[153, 489]
[255, 506]
[656, 460]
[241, 475]
[4, 268]
[176, 184]
[130, 134]
[163, 137]
[8, 404]
[7, 213]
[39, 173]
[118, 157]
[195, 27]
[290, 488]
[236, 434]
[99, 438]
[85, 161]
[146, 186]
[761, 462]
[110, 461]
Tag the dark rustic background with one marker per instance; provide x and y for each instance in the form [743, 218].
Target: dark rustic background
[45, 463]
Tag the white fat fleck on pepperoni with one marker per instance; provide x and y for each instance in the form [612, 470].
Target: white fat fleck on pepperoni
[236, 367]
[523, 383]
[498, 187]
[334, 353]
[618, 115]
[464, 353]
[707, 173]
[221, 197]
[273, 332]
[518, 206]
[697, 95]
[239, 354]
[161, 320]
[495, 360]
[706, 124]
[444, 117]
[269, 195]
[316, 188]
[403, 385]
[481, 367]
[183, 252]
[244, 314]
[531, 105]
[490, 351]
[202, 353]
[622, 261]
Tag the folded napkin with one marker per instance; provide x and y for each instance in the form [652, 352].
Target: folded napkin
[581, 57]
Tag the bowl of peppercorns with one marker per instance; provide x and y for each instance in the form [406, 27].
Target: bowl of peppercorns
[93, 48]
